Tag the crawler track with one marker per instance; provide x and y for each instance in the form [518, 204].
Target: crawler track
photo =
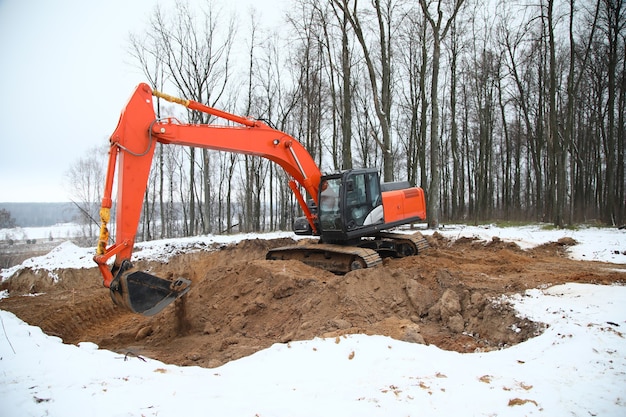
[343, 259]
[396, 245]
[333, 258]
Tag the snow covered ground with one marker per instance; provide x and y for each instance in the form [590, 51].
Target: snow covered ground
[57, 231]
[594, 244]
[577, 367]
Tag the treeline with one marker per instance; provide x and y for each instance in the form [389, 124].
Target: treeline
[499, 110]
[37, 214]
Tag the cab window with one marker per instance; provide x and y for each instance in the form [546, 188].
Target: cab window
[330, 217]
[362, 198]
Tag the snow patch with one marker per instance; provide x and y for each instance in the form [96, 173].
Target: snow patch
[594, 243]
[577, 366]
[66, 255]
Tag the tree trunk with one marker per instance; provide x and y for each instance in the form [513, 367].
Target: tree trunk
[346, 97]
[434, 199]
[457, 171]
[557, 158]
[382, 98]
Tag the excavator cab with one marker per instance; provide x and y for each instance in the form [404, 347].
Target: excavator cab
[350, 205]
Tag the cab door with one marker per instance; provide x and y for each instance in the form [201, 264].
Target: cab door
[350, 205]
[363, 203]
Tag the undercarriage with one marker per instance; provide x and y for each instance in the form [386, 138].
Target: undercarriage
[341, 259]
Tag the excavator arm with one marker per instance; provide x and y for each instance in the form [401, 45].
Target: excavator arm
[130, 157]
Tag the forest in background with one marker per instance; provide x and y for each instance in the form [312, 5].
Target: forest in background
[37, 214]
[499, 110]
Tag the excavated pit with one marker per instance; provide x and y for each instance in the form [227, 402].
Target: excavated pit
[450, 296]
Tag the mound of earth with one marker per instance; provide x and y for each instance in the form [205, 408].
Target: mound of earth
[450, 296]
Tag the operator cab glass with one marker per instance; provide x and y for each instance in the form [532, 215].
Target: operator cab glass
[329, 215]
[350, 203]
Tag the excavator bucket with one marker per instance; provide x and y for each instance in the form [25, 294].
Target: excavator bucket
[146, 294]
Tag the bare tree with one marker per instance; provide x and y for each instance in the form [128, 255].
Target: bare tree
[196, 58]
[6, 219]
[85, 183]
[439, 31]
[613, 19]
[346, 90]
[379, 72]
[414, 65]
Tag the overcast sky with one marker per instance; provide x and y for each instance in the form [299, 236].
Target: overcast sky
[65, 75]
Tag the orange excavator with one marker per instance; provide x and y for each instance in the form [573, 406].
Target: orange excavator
[349, 210]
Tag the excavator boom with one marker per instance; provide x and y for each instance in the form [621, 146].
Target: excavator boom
[130, 157]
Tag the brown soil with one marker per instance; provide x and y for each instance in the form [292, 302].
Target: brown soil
[449, 296]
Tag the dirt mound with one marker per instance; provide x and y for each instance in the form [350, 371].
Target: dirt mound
[240, 303]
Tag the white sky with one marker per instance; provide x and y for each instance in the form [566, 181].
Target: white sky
[65, 75]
